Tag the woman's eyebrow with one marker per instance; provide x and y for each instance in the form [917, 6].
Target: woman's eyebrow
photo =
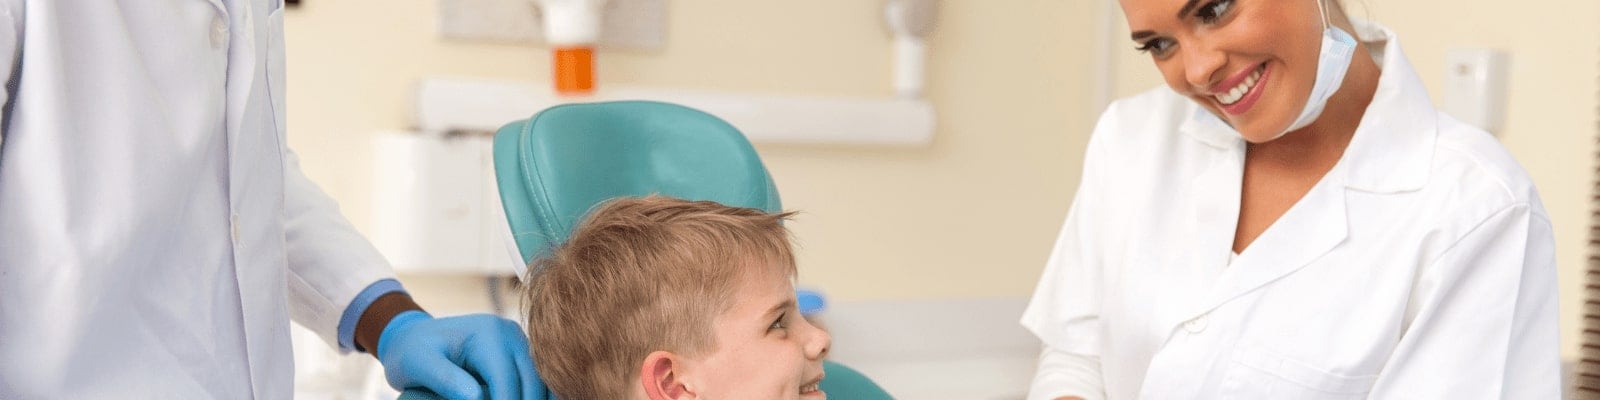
[1189, 6]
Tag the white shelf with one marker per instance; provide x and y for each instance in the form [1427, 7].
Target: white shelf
[445, 104]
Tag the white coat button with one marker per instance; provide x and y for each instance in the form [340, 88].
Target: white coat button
[219, 33]
[1196, 325]
[233, 223]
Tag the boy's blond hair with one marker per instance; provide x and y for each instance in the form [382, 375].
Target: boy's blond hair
[641, 275]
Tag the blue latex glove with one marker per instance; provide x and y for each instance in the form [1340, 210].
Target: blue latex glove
[450, 356]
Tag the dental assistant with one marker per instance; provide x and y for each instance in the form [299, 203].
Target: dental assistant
[157, 235]
[1291, 218]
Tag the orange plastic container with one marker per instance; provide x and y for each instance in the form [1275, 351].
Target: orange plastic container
[574, 70]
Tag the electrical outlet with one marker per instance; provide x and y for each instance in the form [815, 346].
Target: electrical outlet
[625, 24]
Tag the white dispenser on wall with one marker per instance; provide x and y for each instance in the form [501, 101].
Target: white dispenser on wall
[1476, 86]
[436, 208]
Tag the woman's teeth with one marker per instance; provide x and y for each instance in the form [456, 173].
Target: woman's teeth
[1233, 96]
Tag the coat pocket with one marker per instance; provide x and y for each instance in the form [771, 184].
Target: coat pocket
[1257, 373]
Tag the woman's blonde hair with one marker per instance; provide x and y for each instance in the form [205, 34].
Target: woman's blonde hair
[641, 275]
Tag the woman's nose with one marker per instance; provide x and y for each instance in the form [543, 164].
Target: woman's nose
[1201, 66]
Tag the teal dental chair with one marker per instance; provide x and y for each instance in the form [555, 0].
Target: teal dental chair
[554, 167]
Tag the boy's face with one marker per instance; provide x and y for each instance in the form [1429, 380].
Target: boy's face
[764, 349]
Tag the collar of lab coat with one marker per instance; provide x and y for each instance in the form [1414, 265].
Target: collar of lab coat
[1390, 152]
[1392, 147]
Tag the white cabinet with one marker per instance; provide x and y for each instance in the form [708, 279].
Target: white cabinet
[436, 206]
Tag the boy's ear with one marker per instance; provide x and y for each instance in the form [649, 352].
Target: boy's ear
[662, 376]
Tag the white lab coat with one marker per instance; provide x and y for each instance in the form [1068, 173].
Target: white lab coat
[156, 235]
[1420, 267]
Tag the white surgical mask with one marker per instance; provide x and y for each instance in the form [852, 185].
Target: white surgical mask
[1338, 48]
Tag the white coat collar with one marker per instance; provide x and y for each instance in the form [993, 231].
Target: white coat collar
[1392, 147]
[1391, 152]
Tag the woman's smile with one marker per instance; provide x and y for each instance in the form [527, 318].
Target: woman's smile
[1238, 94]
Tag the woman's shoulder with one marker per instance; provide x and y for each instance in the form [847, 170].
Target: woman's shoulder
[1140, 143]
[1473, 164]
[1142, 120]
[1157, 107]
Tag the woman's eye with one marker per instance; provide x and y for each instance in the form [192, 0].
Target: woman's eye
[1156, 47]
[1214, 11]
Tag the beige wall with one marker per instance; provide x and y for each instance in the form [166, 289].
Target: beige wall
[974, 214]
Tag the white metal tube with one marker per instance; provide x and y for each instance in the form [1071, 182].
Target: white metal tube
[910, 66]
[571, 22]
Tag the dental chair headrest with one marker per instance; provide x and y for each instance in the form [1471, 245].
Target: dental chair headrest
[554, 167]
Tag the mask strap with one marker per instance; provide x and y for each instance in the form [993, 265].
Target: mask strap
[1322, 9]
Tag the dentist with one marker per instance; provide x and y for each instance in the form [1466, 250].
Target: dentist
[1291, 218]
[157, 235]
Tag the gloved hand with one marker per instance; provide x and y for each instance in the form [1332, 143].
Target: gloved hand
[444, 354]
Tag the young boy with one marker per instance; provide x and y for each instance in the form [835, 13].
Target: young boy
[659, 298]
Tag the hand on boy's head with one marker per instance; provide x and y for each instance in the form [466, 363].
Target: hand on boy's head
[764, 350]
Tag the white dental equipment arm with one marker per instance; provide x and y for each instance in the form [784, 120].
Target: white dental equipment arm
[910, 21]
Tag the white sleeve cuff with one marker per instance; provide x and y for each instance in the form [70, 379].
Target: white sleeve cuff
[1063, 374]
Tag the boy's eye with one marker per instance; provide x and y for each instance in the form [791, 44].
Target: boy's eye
[778, 323]
[1214, 11]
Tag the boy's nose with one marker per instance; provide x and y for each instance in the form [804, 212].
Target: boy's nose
[820, 341]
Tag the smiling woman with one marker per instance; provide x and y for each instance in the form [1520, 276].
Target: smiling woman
[1290, 217]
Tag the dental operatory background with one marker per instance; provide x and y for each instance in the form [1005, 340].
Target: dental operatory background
[932, 164]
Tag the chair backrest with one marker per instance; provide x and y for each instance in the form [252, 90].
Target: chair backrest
[553, 168]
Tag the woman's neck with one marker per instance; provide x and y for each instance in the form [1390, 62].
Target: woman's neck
[1315, 148]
